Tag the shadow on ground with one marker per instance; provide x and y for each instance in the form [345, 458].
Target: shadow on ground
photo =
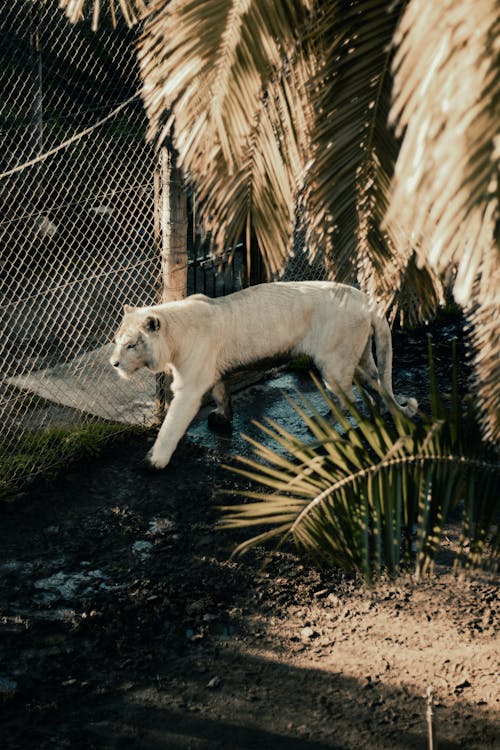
[125, 624]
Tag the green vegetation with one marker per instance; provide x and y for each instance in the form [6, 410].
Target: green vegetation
[44, 453]
[371, 494]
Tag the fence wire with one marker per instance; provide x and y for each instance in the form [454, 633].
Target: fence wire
[76, 227]
[77, 231]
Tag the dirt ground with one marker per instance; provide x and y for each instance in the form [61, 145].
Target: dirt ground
[125, 624]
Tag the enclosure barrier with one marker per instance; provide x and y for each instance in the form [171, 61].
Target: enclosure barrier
[82, 232]
[78, 207]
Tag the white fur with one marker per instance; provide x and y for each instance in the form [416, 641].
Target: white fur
[198, 340]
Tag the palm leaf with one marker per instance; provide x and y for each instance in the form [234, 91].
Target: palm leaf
[484, 314]
[355, 152]
[131, 10]
[228, 78]
[447, 85]
[445, 192]
[390, 475]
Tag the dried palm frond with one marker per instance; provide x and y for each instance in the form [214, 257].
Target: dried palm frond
[131, 10]
[227, 80]
[447, 89]
[354, 150]
[445, 195]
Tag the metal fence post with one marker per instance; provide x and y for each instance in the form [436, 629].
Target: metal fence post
[170, 228]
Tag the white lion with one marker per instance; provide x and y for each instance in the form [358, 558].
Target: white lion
[199, 340]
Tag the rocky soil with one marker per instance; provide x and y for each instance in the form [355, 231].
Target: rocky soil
[124, 623]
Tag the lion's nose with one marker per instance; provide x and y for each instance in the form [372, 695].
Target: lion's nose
[114, 362]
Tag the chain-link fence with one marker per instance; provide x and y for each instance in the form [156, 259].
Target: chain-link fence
[78, 233]
[77, 230]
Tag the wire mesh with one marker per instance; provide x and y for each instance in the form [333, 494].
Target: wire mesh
[76, 227]
[77, 231]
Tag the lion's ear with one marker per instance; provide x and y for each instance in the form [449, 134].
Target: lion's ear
[128, 309]
[152, 324]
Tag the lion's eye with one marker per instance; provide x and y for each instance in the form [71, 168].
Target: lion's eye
[131, 346]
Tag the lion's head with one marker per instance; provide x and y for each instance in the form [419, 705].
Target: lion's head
[137, 342]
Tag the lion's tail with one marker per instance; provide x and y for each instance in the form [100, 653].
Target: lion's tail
[383, 348]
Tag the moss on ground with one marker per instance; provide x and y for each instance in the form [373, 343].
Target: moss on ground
[45, 452]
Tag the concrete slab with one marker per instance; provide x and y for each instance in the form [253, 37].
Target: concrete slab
[87, 383]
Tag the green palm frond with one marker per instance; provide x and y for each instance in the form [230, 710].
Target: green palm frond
[421, 292]
[372, 493]
[355, 154]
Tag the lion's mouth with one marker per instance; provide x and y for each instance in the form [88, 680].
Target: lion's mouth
[125, 374]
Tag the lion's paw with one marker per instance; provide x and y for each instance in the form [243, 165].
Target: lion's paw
[153, 463]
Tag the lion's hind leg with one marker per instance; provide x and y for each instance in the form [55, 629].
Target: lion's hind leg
[367, 374]
[219, 420]
[352, 357]
[337, 377]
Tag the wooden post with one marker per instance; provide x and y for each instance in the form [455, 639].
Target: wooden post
[170, 230]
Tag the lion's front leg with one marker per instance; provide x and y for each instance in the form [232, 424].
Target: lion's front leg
[181, 412]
